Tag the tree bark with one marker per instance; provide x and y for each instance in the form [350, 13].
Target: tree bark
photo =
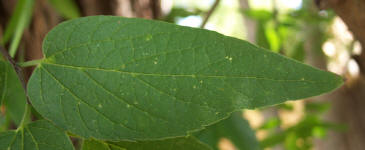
[249, 23]
[348, 105]
[353, 14]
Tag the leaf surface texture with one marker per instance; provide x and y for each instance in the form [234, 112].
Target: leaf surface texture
[235, 129]
[12, 94]
[114, 78]
[39, 135]
[182, 143]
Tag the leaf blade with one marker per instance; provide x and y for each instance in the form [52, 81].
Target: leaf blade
[161, 80]
[183, 143]
[235, 128]
[39, 135]
[12, 94]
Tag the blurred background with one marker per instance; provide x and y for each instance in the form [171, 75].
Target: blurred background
[328, 34]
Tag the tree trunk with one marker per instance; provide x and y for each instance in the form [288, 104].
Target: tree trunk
[249, 23]
[348, 105]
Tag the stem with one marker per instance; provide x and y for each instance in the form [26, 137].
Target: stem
[73, 135]
[15, 43]
[209, 13]
[18, 70]
[30, 63]
[25, 118]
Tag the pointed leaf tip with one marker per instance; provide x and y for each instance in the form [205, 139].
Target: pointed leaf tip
[115, 78]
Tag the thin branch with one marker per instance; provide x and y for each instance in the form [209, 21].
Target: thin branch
[209, 13]
[275, 13]
[18, 70]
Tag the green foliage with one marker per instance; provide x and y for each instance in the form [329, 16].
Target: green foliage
[18, 22]
[235, 128]
[262, 17]
[267, 35]
[67, 8]
[300, 135]
[12, 94]
[3, 122]
[298, 31]
[271, 123]
[147, 80]
[287, 32]
[183, 143]
[99, 145]
[135, 84]
[39, 135]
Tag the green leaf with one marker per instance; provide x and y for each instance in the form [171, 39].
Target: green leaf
[296, 51]
[3, 122]
[183, 143]
[115, 78]
[14, 20]
[2, 57]
[99, 145]
[261, 32]
[39, 135]
[67, 8]
[272, 123]
[273, 140]
[235, 128]
[259, 15]
[12, 94]
[273, 37]
[18, 22]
